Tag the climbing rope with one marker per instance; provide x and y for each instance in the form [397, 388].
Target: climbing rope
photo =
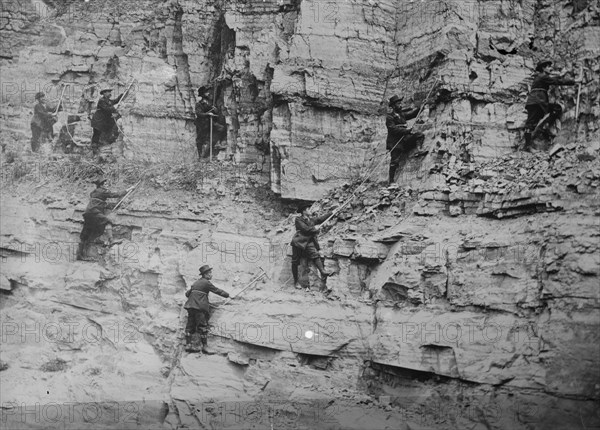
[373, 170]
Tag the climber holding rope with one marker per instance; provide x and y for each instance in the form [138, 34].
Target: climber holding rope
[104, 121]
[398, 131]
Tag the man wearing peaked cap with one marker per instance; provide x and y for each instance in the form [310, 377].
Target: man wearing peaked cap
[305, 243]
[400, 139]
[538, 105]
[198, 308]
[542, 65]
[95, 217]
[395, 99]
[104, 120]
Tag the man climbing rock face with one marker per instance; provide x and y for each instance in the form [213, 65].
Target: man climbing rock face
[95, 219]
[305, 243]
[104, 121]
[538, 105]
[400, 139]
[198, 309]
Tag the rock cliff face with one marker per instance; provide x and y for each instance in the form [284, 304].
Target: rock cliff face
[465, 295]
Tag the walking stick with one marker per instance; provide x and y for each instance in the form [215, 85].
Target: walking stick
[579, 92]
[126, 195]
[211, 136]
[211, 120]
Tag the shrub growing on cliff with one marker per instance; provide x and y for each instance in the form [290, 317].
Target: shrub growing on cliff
[55, 365]
[10, 157]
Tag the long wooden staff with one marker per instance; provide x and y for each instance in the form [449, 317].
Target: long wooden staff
[125, 93]
[579, 92]
[126, 195]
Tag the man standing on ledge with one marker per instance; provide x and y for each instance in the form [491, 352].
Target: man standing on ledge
[42, 122]
[198, 309]
[104, 121]
[305, 243]
[537, 105]
[204, 112]
[400, 139]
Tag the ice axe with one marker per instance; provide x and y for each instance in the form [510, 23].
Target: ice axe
[255, 279]
[126, 195]
[125, 93]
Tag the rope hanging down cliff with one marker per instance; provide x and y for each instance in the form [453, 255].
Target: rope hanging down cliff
[374, 169]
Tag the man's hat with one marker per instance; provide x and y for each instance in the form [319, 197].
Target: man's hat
[303, 206]
[395, 99]
[203, 90]
[106, 90]
[204, 269]
[39, 95]
[542, 64]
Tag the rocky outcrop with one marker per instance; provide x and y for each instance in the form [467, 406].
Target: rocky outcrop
[304, 81]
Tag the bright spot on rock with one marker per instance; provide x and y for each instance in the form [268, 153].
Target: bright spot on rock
[308, 334]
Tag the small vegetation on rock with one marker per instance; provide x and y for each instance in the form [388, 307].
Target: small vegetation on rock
[55, 365]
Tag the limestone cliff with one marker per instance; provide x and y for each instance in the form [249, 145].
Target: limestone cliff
[465, 295]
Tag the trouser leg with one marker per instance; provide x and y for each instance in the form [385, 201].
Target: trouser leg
[412, 140]
[84, 237]
[96, 141]
[534, 114]
[202, 327]
[319, 264]
[201, 140]
[109, 233]
[81, 251]
[555, 111]
[296, 255]
[395, 156]
[36, 133]
[190, 327]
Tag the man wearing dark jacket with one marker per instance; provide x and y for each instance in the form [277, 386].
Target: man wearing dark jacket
[204, 112]
[42, 122]
[104, 121]
[305, 243]
[537, 104]
[400, 139]
[95, 219]
[198, 308]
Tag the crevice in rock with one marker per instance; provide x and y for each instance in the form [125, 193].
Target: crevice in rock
[316, 361]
